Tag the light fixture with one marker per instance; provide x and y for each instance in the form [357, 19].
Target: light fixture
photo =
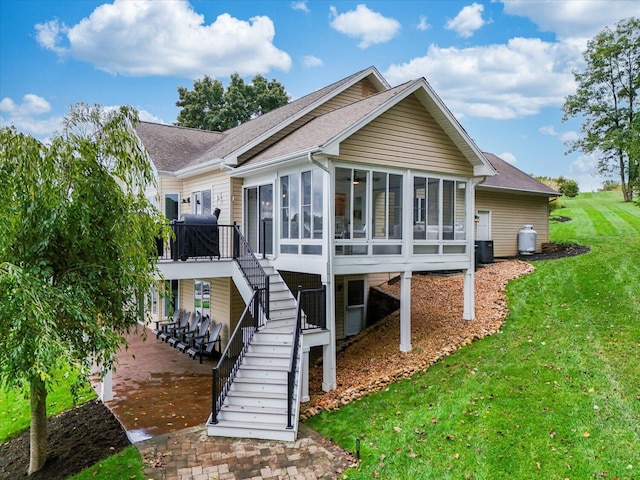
[356, 180]
[186, 200]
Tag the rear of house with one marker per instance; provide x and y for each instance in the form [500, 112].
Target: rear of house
[335, 192]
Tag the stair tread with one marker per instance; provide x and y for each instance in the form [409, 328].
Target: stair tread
[254, 409]
[276, 368]
[252, 394]
[260, 381]
[267, 354]
[252, 425]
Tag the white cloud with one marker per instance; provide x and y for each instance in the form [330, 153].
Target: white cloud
[302, 6]
[311, 61]
[584, 171]
[508, 157]
[30, 116]
[570, 136]
[496, 81]
[423, 24]
[369, 26]
[26, 116]
[579, 19]
[148, 37]
[468, 20]
[548, 130]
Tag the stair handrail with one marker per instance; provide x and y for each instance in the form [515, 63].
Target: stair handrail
[222, 375]
[291, 374]
[250, 267]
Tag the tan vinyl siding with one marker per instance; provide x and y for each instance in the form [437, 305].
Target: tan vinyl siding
[219, 183]
[185, 300]
[377, 279]
[406, 136]
[236, 200]
[356, 92]
[509, 212]
[166, 185]
[221, 304]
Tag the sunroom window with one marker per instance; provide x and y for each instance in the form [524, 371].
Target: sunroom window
[301, 211]
[439, 212]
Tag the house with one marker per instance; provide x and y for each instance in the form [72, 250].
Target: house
[507, 201]
[332, 192]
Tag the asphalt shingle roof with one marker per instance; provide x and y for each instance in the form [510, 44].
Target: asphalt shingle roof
[172, 148]
[511, 178]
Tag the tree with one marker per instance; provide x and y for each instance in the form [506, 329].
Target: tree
[607, 100]
[76, 250]
[209, 107]
[568, 187]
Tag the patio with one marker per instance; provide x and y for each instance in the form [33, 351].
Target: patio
[157, 389]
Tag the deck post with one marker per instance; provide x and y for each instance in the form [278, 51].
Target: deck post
[468, 312]
[405, 311]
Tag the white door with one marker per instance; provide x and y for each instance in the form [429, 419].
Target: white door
[483, 227]
[354, 306]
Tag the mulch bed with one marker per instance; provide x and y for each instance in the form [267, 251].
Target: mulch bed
[77, 439]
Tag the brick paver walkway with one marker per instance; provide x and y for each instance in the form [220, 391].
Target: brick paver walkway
[190, 454]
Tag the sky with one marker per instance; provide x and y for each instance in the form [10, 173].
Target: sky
[503, 67]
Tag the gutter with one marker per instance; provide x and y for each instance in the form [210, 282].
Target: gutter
[292, 157]
[316, 162]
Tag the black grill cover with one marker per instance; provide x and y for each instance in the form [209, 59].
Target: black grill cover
[195, 236]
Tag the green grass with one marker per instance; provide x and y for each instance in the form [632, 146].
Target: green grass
[15, 417]
[15, 408]
[126, 464]
[554, 395]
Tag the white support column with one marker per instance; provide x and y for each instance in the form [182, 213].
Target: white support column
[405, 312]
[304, 384]
[106, 387]
[469, 312]
[329, 375]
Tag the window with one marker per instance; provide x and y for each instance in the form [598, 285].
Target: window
[171, 206]
[202, 297]
[170, 297]
[354, 219]
[439, 211]
[202, 202]
[301, 209]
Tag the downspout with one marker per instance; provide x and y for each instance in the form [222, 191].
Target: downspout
[316, 162]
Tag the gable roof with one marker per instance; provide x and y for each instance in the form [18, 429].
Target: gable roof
[512, 178]
[242, 138]
[172, 148]
[324, 133]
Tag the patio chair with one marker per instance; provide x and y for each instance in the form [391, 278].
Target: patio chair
[160, 325]
[195, 336]
[207, 349]
[168, 330]
[180, 332]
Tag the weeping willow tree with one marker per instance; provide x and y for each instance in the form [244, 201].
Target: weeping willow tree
[76, 252]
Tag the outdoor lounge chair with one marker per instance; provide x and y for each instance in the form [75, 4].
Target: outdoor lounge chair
[179, 333]
[195, 336]
[207, 349]
[168, 330]
[160, 325]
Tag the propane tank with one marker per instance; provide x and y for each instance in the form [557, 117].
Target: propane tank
[527, 240]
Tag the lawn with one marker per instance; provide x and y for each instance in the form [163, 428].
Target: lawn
[554, 395]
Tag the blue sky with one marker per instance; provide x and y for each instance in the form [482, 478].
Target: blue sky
[503, 67]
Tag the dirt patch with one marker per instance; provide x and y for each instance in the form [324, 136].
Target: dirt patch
[77, 439]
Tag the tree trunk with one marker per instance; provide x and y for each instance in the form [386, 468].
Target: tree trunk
[38, 432]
